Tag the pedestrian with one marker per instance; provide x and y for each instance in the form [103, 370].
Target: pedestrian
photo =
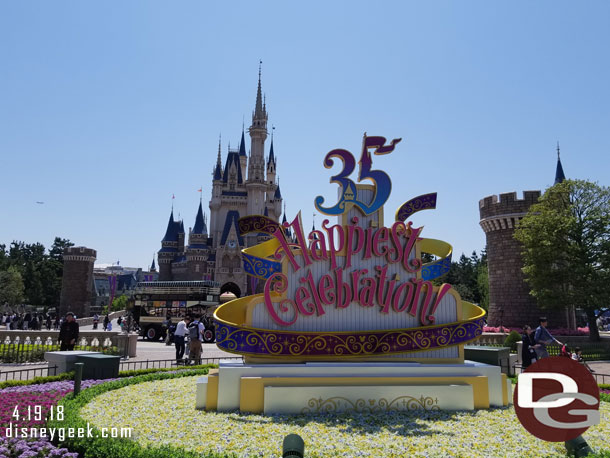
[106, 321]
[48, 322]
[195, 337]
[26, 321]
[109, 327]
[543, 338]
[96, 320]
[68, 333]
[179, 334]
[528, 350]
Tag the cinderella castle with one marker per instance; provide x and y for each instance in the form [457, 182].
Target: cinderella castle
[245, 185]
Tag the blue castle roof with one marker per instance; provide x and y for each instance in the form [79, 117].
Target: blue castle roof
[232, 158]
[200, 227]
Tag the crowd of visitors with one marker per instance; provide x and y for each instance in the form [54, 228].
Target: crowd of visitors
[535, 345]
[29, 321]
[188, 337]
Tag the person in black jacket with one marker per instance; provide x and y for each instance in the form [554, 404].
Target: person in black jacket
[528, 352]
[68, 333]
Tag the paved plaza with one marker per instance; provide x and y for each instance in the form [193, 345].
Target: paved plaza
[159, 351]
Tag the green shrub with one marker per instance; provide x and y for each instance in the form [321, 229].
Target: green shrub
[135, 372]
[512, 339]
[38, 380]
[100, 447]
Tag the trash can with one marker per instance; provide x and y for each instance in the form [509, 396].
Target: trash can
[99, 366]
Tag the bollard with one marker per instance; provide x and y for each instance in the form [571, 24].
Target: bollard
[293, 446]
[578, 447]
[78, 376]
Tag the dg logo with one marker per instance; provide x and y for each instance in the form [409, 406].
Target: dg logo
[556, 399]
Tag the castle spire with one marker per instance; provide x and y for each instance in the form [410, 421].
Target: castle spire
[559, 175]
[242, 144]
[271, 159]
[259, 110]
[199, 222]
[153, 268]
[218, 169]
[170, 233]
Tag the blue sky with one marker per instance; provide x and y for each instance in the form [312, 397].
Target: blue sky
[109, 108]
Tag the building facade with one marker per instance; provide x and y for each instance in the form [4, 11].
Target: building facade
[245, 185]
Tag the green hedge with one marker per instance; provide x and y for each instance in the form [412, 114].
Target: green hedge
[100, 447]
[22, 353]
[135, 372]
[70, 375]
[38, 380]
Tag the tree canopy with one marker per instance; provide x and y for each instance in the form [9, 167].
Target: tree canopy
[40, 273]
[566, 248]
[468, 276]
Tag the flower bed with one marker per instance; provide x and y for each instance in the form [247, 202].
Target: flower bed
[32, 403]
[159, 418]
[16, 448]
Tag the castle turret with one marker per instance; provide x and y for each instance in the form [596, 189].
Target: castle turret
[243, 158]
[510, 303]
[169, 248]
[77, 289]
[271, 165]
[255, 184]
[153, 268]
[198, 250]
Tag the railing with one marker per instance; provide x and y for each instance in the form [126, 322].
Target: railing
[159, 290]
[27, 374]
[165, 363]
[601, 378]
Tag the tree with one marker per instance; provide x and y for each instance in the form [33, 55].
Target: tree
[41, 273]
[466, 277]
[566, 248]
[11, 287]
[119, 303]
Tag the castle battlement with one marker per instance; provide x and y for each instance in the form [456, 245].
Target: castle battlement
[507, 206]
[510, 303]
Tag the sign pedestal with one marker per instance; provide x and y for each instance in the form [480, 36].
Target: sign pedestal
[317, 387]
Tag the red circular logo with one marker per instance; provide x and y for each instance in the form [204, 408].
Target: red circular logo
[556, 399]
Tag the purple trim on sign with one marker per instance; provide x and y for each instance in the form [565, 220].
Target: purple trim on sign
[260, 342]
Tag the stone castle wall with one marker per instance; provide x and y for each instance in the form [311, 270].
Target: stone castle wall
[510, 303]
[77, 294]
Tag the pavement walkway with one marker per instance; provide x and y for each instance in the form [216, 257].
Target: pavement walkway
[146, 350]
[151, 351]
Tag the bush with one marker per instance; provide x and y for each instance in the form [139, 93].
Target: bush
[37, 380]
[136, 372]
[100, 447]
[512, 339]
